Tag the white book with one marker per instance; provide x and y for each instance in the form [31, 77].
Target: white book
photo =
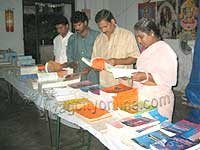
[47, 77]
[45, 85]
[25, 70]
[122, 72]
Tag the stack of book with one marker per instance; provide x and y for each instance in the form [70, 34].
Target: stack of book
[120, 96]
[51, 80]
[63, 94]
[86, 92]
[25, 61]
[91, 113]
[136, 125]
[28, 72]
[74, 104]
[170, 136]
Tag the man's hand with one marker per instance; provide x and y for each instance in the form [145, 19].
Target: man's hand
[112, 61]
[73, 65]
[85, 71]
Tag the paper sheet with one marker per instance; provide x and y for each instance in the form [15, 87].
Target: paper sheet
[121, 72]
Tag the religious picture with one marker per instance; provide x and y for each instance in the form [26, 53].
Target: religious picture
[188, 14]
[166, 18]
[147, 10]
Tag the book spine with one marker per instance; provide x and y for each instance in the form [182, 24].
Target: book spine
[30, 76]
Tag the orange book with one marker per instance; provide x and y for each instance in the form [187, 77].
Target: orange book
[91, 113]
[119, 88]
[125, 95]
[96, 63]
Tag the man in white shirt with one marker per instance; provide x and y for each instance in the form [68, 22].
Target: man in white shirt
[61, 40]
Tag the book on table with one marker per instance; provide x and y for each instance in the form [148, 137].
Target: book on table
[120, 95]
[74, 104]
[185, 129]
[176, 142]
[81, 84]
[91, 113]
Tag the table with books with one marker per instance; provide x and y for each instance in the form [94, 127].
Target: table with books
[109, 113]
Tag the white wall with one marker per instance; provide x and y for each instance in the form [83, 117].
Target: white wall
[126, 13]
[13, 40]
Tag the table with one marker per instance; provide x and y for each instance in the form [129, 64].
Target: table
[43, 102]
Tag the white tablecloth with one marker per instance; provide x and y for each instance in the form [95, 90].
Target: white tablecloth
[44, 102]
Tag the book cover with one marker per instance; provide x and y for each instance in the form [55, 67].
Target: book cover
[95, 91]
[185, 130]
[81, 84]
[91, 87]
[134, 122]
[28, 76]
[150, 138]
[74, 104]
[176, 142]
[91, 113]
[116, 88]
[96, 63]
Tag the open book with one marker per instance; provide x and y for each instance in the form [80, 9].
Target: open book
[100, 64]
[97, 63]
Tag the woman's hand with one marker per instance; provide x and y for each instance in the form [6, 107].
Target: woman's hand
[142, 77]
[139, 76]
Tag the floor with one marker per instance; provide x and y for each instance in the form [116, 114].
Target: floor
[22, 127]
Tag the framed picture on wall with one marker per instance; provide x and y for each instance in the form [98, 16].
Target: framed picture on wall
[166, 18]
[147, 10]
[188, 15]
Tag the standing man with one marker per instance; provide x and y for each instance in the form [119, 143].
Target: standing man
[81, 45]
[117, 45]
[60, 42]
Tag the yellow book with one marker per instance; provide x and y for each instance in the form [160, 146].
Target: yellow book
[73, 104]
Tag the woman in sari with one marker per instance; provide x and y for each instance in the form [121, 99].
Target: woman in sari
[158, 69]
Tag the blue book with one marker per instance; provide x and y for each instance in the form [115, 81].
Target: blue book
[176, 142]
[150, 138]
[185, 130]
[91, 87]
[155, 114]
[29, 76]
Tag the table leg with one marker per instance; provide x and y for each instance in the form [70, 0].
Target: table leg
[49, 125]
[57, 133]
[10, 93]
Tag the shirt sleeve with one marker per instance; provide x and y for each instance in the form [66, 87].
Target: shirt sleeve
[95, 50]
[54, 47]
[70, 49]
[132, 50]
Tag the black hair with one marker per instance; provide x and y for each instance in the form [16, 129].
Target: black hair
[79, 16]
[104, 14]
[61, 20]
[148, 26]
